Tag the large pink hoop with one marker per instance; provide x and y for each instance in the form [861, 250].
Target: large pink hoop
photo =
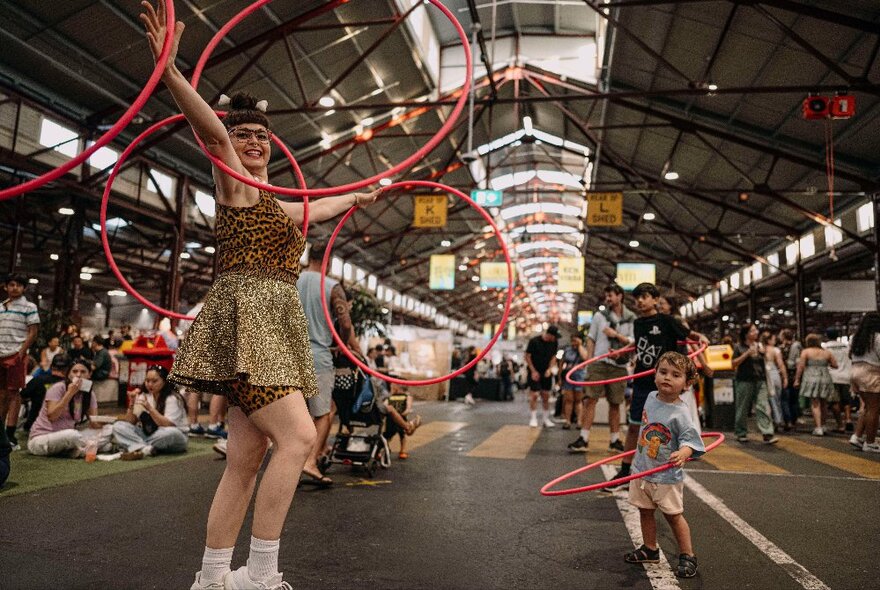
[105, 200]
[545, 491]
[336, 190]
[580, 366]
[344, 347]
[117, 128]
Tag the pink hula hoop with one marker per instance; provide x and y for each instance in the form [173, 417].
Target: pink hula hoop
[504, 317]
[117, 128]
[545, 491]
[336, 190]
[105, 199]
[580, 366]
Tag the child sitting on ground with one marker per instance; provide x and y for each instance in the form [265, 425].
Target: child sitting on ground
[398, 407]
[667, 434]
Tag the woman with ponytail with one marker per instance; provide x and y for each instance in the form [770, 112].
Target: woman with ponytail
[250, 342]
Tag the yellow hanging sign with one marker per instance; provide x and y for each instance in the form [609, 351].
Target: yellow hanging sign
[430, 211]
[493, 275]
[571, 275]
[631, 274]
[442, 272]
[604, 209]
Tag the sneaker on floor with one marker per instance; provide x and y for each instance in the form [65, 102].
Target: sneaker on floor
[197, 430]
[873, 447]
[215, 432]
[566, 425]
[578, 446]
[199, 585]
[548, 423]
[616, 446]
[742, 439]
[469, 399]
[770, 439]
[818, 432]
[857, 442]
[533, 423]
[220, 447]
[239, 580]
[619, 486]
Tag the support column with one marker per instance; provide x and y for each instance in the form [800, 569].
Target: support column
[172, 289]
[753, 304]
[67, 268]
[800, 310]
[875, 199]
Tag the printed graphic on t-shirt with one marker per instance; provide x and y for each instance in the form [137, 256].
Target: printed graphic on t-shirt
[654, 436]
[647, 353]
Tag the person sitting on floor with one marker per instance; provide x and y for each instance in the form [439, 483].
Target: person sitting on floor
[399, 405]
[156, 422]
[68, 404]
[35, 391]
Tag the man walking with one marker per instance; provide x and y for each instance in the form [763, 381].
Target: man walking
[610, 330]
[540, 358]
[320, 339]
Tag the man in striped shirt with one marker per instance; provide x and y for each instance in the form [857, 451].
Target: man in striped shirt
[19, 320]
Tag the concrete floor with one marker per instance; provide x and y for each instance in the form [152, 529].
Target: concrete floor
[450, 519]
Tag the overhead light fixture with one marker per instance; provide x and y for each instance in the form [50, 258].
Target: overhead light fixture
[445, 243]
[53, 257]
[712, 87]
[634, 243]
[384, 181]
[527, 125]
[475, 279]
[210, 249]
[185, 255]
[671, 175]
[66, 211]
[462, 267]
[117, 293]
[649, 216]
[367, 122]
[85, 276]
[34, 281]
[326, 101]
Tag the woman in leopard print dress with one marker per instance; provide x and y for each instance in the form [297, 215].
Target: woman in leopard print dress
[250, 341]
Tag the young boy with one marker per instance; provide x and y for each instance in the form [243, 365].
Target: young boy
[655, 333]
[667, 434]
[398, 407]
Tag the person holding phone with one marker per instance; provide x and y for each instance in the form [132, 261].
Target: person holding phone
[156, 421]
[68, 404]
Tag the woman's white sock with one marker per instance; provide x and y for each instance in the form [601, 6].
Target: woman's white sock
[215, 564]
[262, 563]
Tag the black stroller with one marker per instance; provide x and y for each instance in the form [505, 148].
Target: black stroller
[358, 407]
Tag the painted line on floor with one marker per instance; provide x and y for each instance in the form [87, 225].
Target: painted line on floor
[798, 475]
[730, 458]
[844, 461]
[660, 574]
[799, 573]
[431, 431]
[508, 442]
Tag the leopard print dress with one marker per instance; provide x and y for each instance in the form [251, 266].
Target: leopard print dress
[250, 341]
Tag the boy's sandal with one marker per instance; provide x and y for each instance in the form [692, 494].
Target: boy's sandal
[403, 455]
[643, 555]
[687, 566]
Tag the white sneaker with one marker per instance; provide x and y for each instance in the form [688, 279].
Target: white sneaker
[239, 580]
[818, 432]
[533, 423]
[548, 423]
[873, 447]
[856, 441]
[198, 585]
[469, 399]
[220, 447]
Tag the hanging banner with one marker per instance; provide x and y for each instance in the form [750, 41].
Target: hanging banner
[430, 211]
[487, 331]
[511, 331]
[493, 275]
[442, 272]
[604, 209]
[630, 274]
[571, 275]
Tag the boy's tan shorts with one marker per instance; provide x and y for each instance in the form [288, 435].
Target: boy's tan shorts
[668, 497]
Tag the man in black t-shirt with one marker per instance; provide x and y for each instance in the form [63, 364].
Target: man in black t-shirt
[655, 333]
[541, 360]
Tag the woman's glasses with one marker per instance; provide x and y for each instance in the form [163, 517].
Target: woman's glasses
[242, 135]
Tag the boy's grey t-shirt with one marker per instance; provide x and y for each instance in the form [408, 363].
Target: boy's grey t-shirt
[320, 338]
[665, 429]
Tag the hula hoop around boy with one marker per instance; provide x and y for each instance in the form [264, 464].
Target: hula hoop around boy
[580, 366]
[545, 491]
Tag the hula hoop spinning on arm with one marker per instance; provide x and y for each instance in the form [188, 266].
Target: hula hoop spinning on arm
[260, 361]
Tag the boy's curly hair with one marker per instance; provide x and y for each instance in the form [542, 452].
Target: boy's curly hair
[680, 362]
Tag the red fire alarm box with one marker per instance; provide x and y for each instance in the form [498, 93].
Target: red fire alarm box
[843, 106]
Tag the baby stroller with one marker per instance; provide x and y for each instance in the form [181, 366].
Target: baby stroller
[358, 407]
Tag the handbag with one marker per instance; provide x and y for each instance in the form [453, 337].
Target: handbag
[344, 380]
[147, 423]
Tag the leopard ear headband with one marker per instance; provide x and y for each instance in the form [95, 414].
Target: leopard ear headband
[226, 101]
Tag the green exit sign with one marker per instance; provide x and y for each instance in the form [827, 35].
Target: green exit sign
[487, 198]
